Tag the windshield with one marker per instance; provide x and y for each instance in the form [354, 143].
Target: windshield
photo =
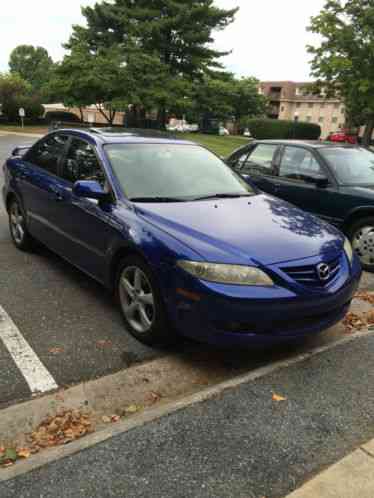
[351, 166]
[167, 172]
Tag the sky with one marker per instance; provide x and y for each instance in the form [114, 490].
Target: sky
[267, 39]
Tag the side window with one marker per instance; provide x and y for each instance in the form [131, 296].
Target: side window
[239, 159]
[82, 164]
[48, 152]
[261, 160]
[299, 164]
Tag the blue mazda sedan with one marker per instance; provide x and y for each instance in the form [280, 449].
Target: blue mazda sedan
[186, 245]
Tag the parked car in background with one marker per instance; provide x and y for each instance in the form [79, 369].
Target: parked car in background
[343, 136]
[184, 243]
[332, 181]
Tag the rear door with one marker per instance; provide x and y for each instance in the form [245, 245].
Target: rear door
[40, 187]
[260, 166]
[296, 183]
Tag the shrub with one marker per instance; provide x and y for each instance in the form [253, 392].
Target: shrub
[63, 116]
[278, 129]
[32, 106]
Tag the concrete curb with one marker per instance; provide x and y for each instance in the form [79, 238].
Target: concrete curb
[161, 410]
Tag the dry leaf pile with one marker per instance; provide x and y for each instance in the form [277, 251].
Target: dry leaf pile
[60, 429]
[365, 296]
[354, 322]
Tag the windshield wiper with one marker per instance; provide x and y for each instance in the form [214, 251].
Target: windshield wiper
[222, 196]
[156, 199]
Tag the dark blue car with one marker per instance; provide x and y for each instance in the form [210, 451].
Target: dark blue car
[186, 245]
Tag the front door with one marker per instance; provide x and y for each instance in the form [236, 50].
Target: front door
[85, 223]
[299, 171]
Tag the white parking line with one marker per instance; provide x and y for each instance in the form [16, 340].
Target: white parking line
[36, 375]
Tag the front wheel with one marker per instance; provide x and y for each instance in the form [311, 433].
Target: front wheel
[141, 303]
[17, 226]
[361, 235]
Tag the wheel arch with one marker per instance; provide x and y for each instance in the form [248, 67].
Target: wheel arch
[118, 256]
[357, 214]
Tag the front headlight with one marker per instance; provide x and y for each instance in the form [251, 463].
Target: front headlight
[226, 274]
[348, 250]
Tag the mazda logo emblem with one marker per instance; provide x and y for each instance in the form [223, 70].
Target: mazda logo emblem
[323, 271]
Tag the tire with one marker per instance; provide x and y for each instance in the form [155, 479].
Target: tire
[141, 303]
[361, 235]
[17, 227]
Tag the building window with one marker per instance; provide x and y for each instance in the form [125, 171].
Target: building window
[321, 119]
[310, 105]
[341, 126]
[298, 105]
[342, 110]
[282, 108]
[334, 120]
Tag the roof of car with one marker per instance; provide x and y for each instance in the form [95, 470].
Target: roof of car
[125, 135]
[315, 144]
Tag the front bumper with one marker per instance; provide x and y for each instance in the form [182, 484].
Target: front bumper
[237, 316]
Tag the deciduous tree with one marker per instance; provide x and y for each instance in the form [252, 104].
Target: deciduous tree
[344, 60]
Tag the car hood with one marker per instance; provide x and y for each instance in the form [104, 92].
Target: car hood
[261, 229]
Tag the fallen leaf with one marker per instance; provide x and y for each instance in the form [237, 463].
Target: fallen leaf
[56, 350]
[105, 419]
[132, 409]
[8, 457]
[153, 397]
[277, 397]
[104, 344]
[115, 418]
[23, 453]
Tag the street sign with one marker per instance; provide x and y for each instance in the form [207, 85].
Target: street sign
[22, 114]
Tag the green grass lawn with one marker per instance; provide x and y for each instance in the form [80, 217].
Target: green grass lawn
[223, 146]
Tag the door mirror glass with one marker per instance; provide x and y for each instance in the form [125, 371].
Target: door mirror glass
[89, 189]
[320, 181]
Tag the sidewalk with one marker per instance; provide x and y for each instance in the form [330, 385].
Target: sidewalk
[352, 477]
[241, 444]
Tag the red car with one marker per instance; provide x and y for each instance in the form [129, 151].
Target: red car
[343, 137]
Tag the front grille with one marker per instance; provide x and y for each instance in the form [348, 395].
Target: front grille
[308, 275]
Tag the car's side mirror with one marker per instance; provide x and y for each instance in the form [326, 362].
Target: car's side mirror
[20, 150]
[319, 181]
[90, 189]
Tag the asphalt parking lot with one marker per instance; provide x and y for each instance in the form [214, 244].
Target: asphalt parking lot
[71, 323]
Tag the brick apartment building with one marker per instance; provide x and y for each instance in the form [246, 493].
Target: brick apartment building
[294, 101]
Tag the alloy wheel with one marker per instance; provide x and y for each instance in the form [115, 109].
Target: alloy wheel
[17, 223]
[363, 244]
[137, 299]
